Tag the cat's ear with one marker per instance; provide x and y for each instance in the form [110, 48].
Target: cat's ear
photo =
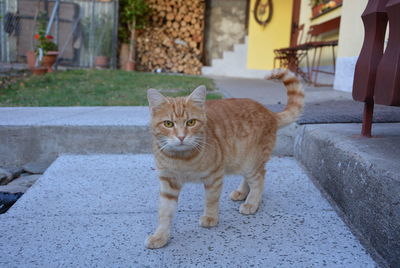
[155, 98]
[198, 95]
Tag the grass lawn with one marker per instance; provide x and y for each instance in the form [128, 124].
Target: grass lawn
[97, 88]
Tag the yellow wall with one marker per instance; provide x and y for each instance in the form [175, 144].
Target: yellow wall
[263, 40]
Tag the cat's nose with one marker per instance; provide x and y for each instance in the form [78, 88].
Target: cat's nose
[181, 138]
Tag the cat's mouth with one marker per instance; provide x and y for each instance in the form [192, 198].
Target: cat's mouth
[175, 145]
[181, 147]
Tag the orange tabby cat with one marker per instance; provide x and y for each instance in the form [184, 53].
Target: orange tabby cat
[200, 141]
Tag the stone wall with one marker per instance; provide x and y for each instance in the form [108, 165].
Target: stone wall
[225, 26]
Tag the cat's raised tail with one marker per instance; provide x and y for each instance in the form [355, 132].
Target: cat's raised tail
[295, 93]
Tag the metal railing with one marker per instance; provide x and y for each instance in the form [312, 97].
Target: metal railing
[377, 72]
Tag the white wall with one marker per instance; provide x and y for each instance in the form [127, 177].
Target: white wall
[351, 36]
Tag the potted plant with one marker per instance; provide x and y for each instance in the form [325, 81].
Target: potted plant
[45, 53]
[321, 6]
[103, 46]
[133, 16]
[316, 6]
[49, 50]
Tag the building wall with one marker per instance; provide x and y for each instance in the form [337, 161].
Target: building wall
[306, 19]
[350, 42]
[263, 40]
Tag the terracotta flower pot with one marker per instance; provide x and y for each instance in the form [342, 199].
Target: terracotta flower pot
[49, 59]
[39, 70]
[321, 8]
[130, 66]
[123, 55]
[317, 10]
[101, 62]
[31, 59]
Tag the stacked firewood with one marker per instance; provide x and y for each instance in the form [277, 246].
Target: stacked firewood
[173, 42]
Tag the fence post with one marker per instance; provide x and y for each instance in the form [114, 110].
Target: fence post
[375, 19]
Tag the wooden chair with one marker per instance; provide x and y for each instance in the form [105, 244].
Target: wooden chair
[280, 53]
[318, 46]
[290, 57]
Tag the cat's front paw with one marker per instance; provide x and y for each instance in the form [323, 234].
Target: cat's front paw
[248, 208]
[156, 241]
[238, 196]
[207, 221]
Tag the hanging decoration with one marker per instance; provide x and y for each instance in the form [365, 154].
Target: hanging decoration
[263, 10]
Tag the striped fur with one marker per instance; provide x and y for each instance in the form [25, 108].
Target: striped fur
[230, 136]
[295, 95]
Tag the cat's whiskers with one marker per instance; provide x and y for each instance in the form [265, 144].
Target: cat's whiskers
[197, 147]
[201, 142]
[163, 144]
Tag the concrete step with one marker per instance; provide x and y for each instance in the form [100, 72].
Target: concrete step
[233, 64]
[240, 47]
[33, 134]
[96, 211]
[206, 70]
[228, 55]
[43, 134]
[361, 175]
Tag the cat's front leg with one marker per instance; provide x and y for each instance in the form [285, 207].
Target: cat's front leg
[213, 188]
[169, 193]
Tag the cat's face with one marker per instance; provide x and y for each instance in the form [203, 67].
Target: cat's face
[178, 124]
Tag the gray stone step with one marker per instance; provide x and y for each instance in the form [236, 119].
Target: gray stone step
[96, 211]
[32, 134]
[362, 177]
[233, 64]
[43, 134]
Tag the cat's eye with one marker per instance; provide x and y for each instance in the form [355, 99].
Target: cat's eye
[168, 123]
[191, 122]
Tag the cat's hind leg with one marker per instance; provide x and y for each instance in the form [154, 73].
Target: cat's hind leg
[241, 192]
[256, 185]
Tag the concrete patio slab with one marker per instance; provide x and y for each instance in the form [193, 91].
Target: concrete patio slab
[96, 211]
[270, 92]
[114, 240]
